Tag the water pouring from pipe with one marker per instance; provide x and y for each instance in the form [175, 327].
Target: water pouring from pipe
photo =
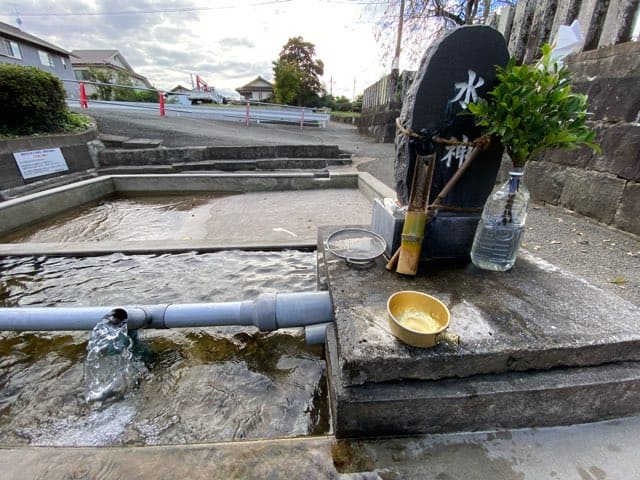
[109, 370]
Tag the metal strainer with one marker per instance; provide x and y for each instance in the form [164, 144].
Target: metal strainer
[356, 245]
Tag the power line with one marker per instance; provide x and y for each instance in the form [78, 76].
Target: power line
[148, 11]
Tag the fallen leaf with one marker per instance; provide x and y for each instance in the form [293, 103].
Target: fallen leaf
[555, 242]
[618, 280]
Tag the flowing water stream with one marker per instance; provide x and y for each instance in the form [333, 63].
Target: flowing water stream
[187, 386]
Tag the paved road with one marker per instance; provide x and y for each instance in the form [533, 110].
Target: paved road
[604, 256]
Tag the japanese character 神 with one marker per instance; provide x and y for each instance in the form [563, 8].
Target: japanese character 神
[456, 152]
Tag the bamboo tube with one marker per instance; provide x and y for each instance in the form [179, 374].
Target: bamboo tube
[411, 243]
[415, 219]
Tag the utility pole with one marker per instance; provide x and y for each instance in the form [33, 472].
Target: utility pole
[395, 66]
[396, 59]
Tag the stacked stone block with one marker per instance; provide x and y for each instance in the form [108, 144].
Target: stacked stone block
[606, 185]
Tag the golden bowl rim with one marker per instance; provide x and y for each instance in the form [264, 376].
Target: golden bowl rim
[402, 327]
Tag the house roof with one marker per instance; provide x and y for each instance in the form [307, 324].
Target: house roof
[258, 84]
[99, 57]
[7, 30]
[180, 88]
[110, 58]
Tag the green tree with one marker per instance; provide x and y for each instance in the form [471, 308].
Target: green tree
[101, 75]
[288, 80]
[297, 64]
[124, 94]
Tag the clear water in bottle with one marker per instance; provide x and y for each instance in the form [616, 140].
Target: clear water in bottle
[501, 226]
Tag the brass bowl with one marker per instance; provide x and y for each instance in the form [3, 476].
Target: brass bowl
[419, 319]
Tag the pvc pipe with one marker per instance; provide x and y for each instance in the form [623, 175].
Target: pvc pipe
[64, 318]
[207, 315]
[269, 312]
[305, 308]
[315, 334]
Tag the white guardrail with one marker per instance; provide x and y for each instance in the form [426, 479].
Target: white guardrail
[249, 112]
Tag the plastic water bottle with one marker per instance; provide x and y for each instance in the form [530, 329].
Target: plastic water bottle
[501, 227]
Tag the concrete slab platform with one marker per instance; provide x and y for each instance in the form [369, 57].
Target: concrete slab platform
[534, 317]
[561, 396]
[539, 347]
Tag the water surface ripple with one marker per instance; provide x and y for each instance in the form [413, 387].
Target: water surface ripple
[197, 385]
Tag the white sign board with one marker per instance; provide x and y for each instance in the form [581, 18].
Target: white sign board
[40, 162]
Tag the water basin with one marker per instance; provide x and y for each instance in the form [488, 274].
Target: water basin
[195, 385]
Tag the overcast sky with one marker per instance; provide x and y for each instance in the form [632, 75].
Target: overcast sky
[226, 42]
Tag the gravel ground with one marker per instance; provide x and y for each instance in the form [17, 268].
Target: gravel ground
[604, 256]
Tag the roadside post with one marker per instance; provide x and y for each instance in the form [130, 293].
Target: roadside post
[161, 98]
[83, 97]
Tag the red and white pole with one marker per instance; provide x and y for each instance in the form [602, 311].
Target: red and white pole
[246, 115]
[83, 97]
[161, 98]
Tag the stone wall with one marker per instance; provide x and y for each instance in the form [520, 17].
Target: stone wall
[526, 27]
[379, 122]
[381, 105]
[604, 186]
[74, 149]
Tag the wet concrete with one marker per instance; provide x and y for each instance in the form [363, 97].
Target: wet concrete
[598, 451]
[271, 216]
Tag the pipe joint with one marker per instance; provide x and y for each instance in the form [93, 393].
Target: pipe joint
[264, 312]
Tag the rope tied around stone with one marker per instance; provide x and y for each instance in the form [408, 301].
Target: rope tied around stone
[482, 142]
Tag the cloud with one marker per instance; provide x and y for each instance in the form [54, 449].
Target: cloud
[236, 43]
[227, 42]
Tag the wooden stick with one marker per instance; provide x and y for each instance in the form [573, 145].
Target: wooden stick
[456, 176]
[393, 261]
[431, 209]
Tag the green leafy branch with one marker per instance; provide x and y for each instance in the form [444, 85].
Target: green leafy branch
[533, 108]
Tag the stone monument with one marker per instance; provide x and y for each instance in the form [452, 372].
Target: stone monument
[455, 71]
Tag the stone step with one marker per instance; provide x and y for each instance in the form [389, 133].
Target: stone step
[111, 157]
[562, 396]
[138, 143]
[120, 141]
[262, 164]
[534, 317]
